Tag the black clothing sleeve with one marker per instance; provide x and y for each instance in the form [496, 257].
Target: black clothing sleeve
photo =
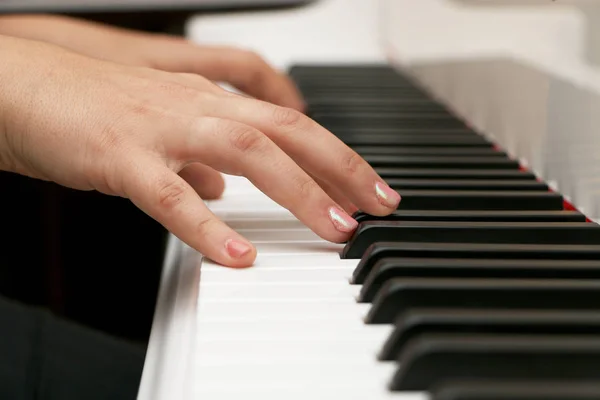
[45, 358]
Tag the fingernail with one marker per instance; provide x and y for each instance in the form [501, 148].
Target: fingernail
[237, 249]
[386, 195]
[342, 221]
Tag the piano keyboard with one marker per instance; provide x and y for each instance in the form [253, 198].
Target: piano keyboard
[482, 285]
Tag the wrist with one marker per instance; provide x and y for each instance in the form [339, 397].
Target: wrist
[10, 65]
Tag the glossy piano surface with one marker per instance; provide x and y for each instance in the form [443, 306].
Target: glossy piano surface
[514, 304]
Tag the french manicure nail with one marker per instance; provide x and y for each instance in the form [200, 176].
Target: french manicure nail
[237, 249]
[342, 221]
[386, 195]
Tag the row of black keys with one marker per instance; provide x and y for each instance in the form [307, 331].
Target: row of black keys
[483, 273]
[423, 151]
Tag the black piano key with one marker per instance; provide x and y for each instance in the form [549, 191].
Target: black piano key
[389, 174]
[516, 390]
[362, 88]
[370, 232]
[345, 79]
[460, 162]
[381, 250]
[320, 106]
[326, 83]
[475, 216]
[389, 268]
[374, 103]
[431, 359]
[416, 322]
[479, 200]
[368, 93]
[401, 294]
[324, 98]
[458, 184]
[346, 133]
[416, 139]
[429, 151]
[385, 120]
[366, 68]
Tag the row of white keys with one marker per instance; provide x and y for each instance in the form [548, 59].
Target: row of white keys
[290, 325]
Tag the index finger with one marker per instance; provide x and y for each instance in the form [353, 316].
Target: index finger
[243, 69]
[315, 149]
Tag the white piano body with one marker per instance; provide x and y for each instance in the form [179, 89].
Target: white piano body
[523, 72]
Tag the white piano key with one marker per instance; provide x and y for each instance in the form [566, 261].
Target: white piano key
[256, 355]
[279, 235]
[277, 290]
[222, 209]
[288, 249]
[228, 213]
[279, 274]
[323, 375]
[334, 308]
[266, 260]
[269, 222]
[306, 327]
[359, 350]
[280, 327]
[295, 375]
[301, 392]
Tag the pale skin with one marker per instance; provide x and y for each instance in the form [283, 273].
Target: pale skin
[139, 116]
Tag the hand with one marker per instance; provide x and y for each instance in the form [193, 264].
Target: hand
[130, 131]
[244, 70]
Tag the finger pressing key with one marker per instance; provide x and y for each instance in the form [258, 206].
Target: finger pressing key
[238, 149]
[315, 149]
[169, 199]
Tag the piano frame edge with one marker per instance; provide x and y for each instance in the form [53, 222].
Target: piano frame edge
[167, 368]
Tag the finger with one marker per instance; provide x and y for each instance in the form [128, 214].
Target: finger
[238, 149]
[208, 183]
[166, 197]
[185, 80]
[337, 196]
[243, 69]
[314, 148]
[248, 72]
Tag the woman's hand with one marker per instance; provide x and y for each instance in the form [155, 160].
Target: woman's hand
[242, 69]
[132, 132]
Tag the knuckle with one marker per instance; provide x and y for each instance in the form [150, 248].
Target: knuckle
[246, 139]
[101, 154]
[204, 227]
[252, 57]
[306, 188]
[199, 82]
[351, 163]
[286, 117]
[170, 195]
[257, 72]
[193, 77]
[183, 90]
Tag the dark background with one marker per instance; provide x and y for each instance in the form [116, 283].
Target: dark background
[92, 258]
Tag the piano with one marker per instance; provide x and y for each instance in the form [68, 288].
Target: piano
[484, 284]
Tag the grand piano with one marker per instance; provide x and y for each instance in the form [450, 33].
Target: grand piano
[484, 284]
